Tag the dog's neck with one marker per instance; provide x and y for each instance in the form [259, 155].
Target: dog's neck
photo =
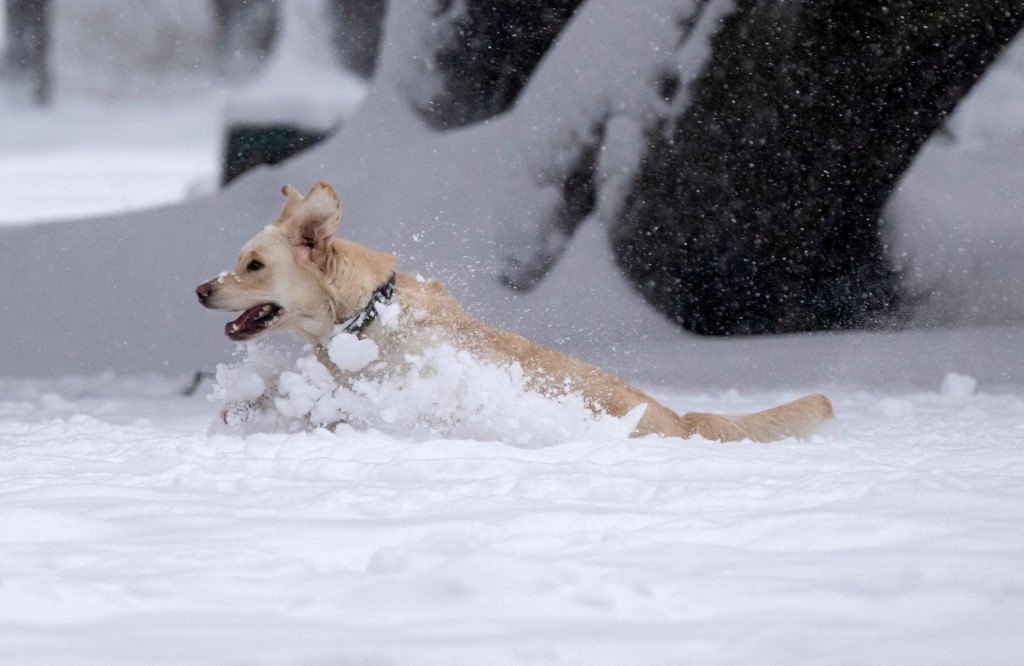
[382, 295]
[354, 278]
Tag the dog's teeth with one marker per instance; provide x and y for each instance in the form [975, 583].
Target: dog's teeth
[234, 327]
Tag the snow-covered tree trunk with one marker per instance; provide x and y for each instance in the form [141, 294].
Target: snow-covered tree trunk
[585, 115]
[757, 208]
[25, 62]
[482, 52]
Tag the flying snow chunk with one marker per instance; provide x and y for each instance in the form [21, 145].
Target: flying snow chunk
[958, 386]
[241, 382]
[350, 353]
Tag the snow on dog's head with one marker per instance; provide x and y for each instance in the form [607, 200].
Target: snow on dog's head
[295, 275]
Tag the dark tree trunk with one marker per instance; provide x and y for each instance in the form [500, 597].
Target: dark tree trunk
[758, 209]
[26, 60]
[488, 55]
[358, 26]
[244, 33]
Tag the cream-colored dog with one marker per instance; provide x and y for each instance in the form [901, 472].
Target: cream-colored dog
[295, 275]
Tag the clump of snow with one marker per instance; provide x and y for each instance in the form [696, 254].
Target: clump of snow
[243, 385]
[249, 378]
[350, 352]
[958, 387]
[441, 391]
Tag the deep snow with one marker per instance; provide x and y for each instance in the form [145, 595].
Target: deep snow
[130, 535]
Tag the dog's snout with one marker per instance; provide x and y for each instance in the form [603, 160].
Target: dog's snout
[203, 291]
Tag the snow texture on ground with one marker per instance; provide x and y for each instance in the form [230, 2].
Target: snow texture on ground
[131, 535]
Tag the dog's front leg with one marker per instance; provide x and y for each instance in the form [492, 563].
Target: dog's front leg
[243, 414]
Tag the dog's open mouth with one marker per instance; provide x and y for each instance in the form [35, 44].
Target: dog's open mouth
[253, 321]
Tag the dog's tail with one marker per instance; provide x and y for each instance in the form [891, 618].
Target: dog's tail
[800, 418]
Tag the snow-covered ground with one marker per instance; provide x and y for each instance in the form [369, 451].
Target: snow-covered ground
[86, 157]
[131, 535]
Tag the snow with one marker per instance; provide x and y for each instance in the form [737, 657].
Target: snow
[132, 535]
[349, 352]
[957, 386]
[954, 225]
[438, 391]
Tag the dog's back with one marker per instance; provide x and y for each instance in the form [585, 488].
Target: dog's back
[551, 370]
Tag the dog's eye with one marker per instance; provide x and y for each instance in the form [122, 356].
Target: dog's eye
[254, 265]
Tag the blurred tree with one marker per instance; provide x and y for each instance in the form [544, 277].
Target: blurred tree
[486, 53]
[26, 60]
[758, 208]
[358, 26]
[245, 31]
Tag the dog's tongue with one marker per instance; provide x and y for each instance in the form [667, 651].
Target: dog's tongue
[247, 324]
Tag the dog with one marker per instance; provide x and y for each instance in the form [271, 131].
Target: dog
[295, 275]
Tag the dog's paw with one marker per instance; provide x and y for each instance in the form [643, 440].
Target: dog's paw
[245, 414]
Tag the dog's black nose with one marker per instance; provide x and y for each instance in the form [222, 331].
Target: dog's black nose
[203, 291]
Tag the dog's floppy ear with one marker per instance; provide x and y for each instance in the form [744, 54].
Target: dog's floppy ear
[309, 223]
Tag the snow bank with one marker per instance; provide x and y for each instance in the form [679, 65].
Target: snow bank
[954, 227]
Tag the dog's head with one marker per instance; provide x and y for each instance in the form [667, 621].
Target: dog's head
[294, 275]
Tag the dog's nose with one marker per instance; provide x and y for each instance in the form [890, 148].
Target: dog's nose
[203, 291]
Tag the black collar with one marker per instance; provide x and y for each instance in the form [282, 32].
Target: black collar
[382, 295]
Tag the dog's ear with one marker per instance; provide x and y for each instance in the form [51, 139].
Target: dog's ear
[294, 199]
[310, 222]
